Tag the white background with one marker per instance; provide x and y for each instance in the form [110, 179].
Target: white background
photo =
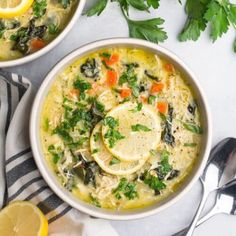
[215, 66]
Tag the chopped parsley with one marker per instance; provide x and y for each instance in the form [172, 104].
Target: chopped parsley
[139, 127]
[39, 8]
[114, 161]
[192, 127]
[95, 201]
[126, 189]
[138, 107]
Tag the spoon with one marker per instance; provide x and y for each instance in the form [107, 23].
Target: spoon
[225, 203]
[220, 169]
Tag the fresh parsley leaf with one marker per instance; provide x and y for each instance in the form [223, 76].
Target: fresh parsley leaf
[113, 136]
[147, 29]
[99, 106]
[139, 127]
[195, 9]
[96, 137]
[217, 16]
[82, 85]
[114, 161]
[166, 167]
[128, 189]
[97, 8]
[153, 182]
[151, 99]
[39, 8]
[96, 150]
[138, 4]
[56, 153]
[138, 107]
[153, 3]
[111, 122]
[106, 55]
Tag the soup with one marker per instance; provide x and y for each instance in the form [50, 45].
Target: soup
[120, 128]
[30, 32]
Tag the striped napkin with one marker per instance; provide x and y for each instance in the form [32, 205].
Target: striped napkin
[19, 176]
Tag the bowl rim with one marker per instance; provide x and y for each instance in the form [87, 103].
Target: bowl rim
[51, 45]
[45, 171]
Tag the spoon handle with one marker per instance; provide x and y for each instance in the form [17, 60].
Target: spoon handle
[190, 229]
[199, 210]
[215, 210]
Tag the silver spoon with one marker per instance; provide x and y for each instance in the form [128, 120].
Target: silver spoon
[225, 203]
[220, 169]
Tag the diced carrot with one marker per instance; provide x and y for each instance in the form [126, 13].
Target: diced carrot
[74, 93]
[111, 78]
[114, 58]
[125, 93]
[169, 68]
[157, 87]
[144, 99]
[162, 107]
[36, 44]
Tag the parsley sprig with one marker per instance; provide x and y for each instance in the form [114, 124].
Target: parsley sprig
[220, 15]
[150, 30]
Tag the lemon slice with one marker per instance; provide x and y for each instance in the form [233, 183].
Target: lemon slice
[13, 8]
[106, 160]
[22, 218]
[138, 142]
[108, 99]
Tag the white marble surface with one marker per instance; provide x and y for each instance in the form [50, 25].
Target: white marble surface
[215, 65]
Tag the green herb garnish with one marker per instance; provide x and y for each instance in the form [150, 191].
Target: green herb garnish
[39, 8]
[192, 127]
[114, 161]
[139, 127]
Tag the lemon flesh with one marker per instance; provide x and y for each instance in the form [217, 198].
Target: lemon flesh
[14, 8]
[22, 218]
[136, 144]
[104, 158]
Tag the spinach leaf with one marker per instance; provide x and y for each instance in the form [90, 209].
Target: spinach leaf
[98, 8]
[90, 68]
[193, 128]
[64, 3]
[166, 134]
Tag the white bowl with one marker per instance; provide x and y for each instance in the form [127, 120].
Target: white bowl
[51, 45]
[49, 176]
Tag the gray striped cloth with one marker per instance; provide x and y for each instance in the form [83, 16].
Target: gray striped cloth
[19, 176]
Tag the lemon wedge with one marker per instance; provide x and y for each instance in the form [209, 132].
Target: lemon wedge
[106, 160]
[22, 218]
[141, 131]
[10, 9]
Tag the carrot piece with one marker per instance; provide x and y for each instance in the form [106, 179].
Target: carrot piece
[37, 44]
[125, 93]
[111, 78]
[169, 68]
[114, 58]
[162, 107]
[74, 93]
[157, 87]
[144, 99]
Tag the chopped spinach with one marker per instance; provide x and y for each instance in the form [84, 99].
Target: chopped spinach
[90, 68]
[173, 174]
[64, 3]
[151, 76]
[192, 107]
[193, 127]
[167, 135]
[139, 127]
[24, 34]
